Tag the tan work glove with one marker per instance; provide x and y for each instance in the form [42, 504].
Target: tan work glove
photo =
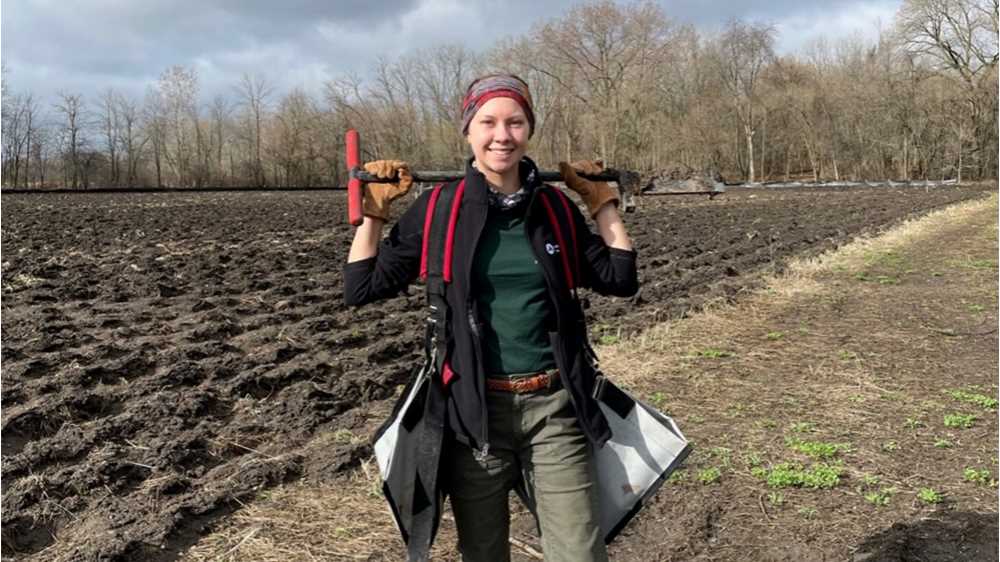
[595, 194]
[379, 195]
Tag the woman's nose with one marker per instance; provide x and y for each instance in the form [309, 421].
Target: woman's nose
[501, 133]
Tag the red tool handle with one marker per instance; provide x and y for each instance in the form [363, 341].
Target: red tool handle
[354, 186]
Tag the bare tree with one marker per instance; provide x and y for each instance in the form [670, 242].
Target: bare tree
[13, 136]
[154, 125]
[595, 51]
[442, 74]
[41, 148]
[959, 38]
[296, 116]
[129, 138]
[111, 131]
[254, 92]
[744, 51]
[178, 91]
[955, 35]
[219, 113]
[71, 108]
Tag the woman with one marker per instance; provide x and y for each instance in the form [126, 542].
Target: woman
[520, 408]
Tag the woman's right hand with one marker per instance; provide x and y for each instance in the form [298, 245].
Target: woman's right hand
[378, 196]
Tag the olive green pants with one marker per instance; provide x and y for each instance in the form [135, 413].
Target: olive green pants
[534, 436]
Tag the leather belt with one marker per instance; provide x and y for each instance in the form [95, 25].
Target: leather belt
[521, 385]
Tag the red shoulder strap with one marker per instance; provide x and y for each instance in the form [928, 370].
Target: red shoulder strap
[428, 220]
[449, 234]
[449, 241]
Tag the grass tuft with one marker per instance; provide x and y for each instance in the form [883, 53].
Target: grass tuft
[972, 397]
[929, 495]
[960, 421]
[794, 475]
[817, 449]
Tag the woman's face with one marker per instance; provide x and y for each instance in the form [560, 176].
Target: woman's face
[498, 135]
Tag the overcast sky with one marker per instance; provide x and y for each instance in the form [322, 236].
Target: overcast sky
[85, 46]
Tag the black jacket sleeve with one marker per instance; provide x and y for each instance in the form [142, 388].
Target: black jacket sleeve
[606, 270]
[397, 263]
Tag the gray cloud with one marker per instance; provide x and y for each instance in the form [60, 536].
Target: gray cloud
[88, 45]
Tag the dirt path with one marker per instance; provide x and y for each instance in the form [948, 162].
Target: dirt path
[870, 374]
[862, 359]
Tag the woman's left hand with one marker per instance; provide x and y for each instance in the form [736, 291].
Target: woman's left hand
[595, 194]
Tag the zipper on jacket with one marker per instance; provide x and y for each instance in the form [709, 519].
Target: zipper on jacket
[479, 454]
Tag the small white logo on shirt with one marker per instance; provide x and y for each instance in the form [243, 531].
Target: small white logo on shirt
[551, 248]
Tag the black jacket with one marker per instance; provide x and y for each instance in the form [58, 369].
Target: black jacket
[608, 271]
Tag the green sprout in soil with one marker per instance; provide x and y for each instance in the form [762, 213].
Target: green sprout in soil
[677, 477]
[890, 446]
[887, 280]
[752, 459]
[657, 399]
[981, 400]
[913, 423]
[709, 475]
[775, 336]
[870, 480]
[789, 474]
[723, 454]
[871, 491]
[929, 495]
[880, 497]
[943, 444]
[608, 339]
[856, 398]
[817, 449]
[803, 427]
[845, 355]
[978, 476]
[776, 498]
[975, 308]
[807, 512]
[963, 421]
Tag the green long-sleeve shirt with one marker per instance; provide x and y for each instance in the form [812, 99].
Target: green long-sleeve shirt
[511, 297]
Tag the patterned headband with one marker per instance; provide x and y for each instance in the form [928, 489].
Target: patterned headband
[495, 86]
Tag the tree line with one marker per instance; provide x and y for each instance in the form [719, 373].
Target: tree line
[620, 82]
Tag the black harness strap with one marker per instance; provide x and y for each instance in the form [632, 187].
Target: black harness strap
[431, 442]
[437, 317]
